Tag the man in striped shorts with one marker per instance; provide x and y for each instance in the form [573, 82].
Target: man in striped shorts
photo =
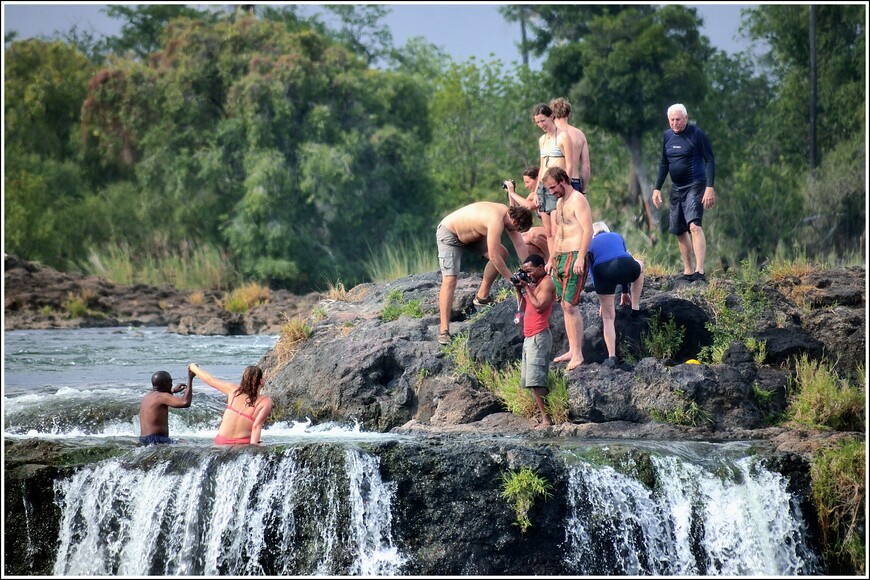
[567, 264]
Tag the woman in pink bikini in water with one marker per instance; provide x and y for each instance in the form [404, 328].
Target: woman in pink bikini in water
[247, 410]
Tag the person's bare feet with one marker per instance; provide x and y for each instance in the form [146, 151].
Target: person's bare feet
[573, 364]
[543, 425]
[562, 358]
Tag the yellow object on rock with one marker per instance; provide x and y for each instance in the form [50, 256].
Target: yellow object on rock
[692, 361]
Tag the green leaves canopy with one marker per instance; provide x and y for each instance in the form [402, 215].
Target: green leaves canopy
[285, 146]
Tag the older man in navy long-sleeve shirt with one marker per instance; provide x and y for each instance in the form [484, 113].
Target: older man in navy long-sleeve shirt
[688, 157]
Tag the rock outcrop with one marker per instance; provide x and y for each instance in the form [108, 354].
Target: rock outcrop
[36, 297]
[394, 375]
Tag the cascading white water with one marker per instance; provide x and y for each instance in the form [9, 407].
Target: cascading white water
[371, 514]
[735, 520]
[228, 513]
[309, 502]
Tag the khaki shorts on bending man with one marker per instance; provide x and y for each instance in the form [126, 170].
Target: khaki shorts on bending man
[477, 228]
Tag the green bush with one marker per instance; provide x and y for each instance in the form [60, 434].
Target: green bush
[76, 307]
[505, 383]
[396, 306]
[839, 489]
[663, 340]
[690, 414]
[734, 322]
[556, 401]
[821, 399]
[521, 488]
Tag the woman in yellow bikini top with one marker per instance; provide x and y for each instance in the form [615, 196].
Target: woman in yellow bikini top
[244, 415]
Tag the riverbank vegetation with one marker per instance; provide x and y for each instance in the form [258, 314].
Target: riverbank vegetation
[209, 148]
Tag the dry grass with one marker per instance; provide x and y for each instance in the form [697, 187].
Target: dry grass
[293, 333]
[336, 291]
[651, 267]
[780, 270]
[246, 297]
[801, 295]
[196, 298]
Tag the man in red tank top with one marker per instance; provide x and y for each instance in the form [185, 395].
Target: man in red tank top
[537, 293]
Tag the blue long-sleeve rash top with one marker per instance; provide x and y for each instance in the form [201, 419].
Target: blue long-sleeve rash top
[603, 248]
[688, 157]
[607, 246]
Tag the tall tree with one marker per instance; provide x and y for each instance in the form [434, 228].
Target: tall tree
[145, 24]
[362, 31]
[553, 25]
[483, 131]
[44, 85]
[833, 198]
[841, 62]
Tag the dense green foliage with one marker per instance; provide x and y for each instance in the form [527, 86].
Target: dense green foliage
[839, 487]
[299, 152]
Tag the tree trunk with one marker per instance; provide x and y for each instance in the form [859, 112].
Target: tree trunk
[634, 191]
[633, 143]
[524, 46]
[813, 87]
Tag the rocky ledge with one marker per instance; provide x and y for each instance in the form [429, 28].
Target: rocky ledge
[393, 375]
[36, 297]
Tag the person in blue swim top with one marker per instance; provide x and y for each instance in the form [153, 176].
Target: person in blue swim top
[154, 408]
[611, 265]
[688, 157]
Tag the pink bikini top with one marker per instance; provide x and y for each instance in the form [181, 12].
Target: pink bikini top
[234, 410]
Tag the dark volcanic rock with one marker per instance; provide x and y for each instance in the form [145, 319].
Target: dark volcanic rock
[383, 374]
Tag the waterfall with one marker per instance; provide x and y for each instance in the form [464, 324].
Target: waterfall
[318, 510]
[734, 518]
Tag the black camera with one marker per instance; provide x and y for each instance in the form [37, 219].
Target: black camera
[520, 276]
[503, 186]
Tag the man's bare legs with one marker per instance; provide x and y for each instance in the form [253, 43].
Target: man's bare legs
[574, 330]
[490, 273]
[699, 242]
[445, 300]
[685, 243]
[696, 244]
[538, 393]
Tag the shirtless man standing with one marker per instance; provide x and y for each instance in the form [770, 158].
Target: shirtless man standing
[567, 264]
[477, 228]
[581, 167]
[154, 409]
